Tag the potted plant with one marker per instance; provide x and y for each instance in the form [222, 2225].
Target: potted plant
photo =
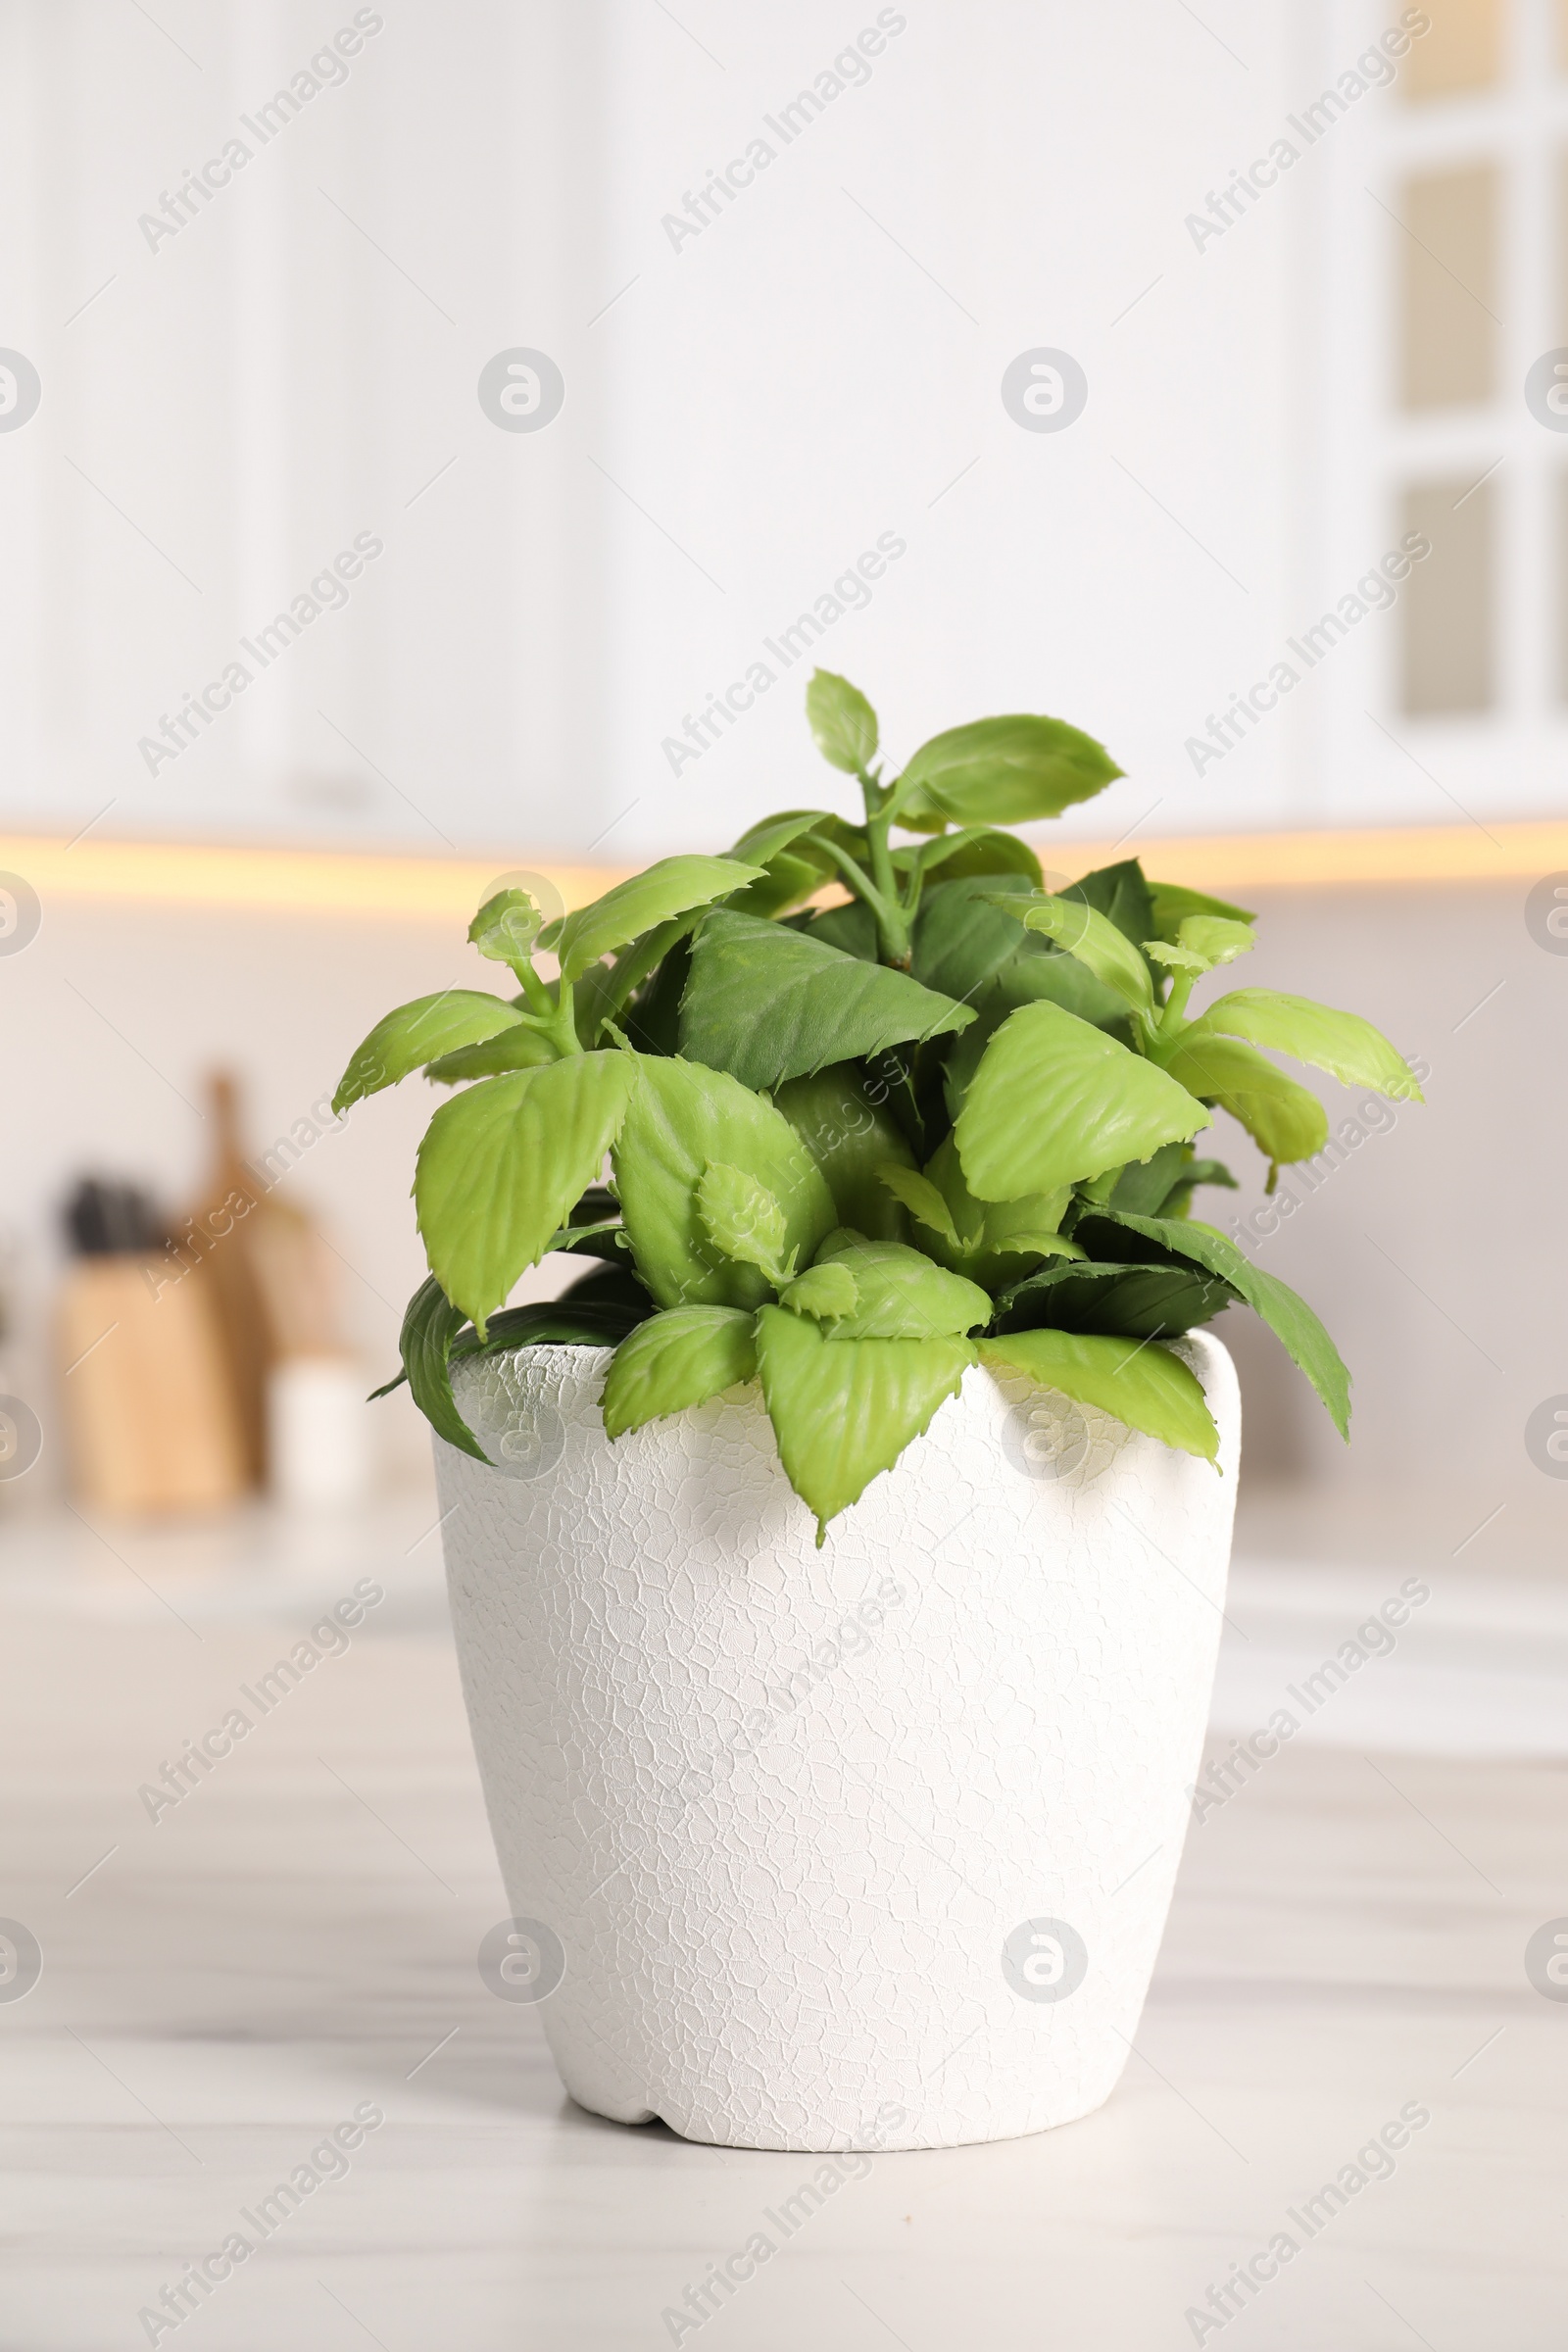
[836, 1566]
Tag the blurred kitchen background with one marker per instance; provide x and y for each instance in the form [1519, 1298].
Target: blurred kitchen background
[541, 366]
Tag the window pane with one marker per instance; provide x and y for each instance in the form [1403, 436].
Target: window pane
[1461, 52]
[1448, 244]
[1447, 599]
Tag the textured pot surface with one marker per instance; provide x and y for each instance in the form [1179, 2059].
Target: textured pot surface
[863, 1847]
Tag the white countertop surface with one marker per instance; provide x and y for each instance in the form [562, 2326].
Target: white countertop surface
[296, 1936]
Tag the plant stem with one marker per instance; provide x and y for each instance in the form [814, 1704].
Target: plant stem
[893, 922]
[1181, 987]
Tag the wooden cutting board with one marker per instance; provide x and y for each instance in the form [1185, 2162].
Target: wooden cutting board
[150, 1414]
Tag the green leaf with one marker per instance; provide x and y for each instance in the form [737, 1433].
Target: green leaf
[1136, 1301]
[763, 841]
[1121, 895]
[824, 1292]
[1341, 1043]
[743, 1220]
[522, 1048]
[681, 1118]
[923, 1199]
[1216, 939]
[675, 1359]
[967, 930]
[793, 868]
[850, 928]
[767, 1003]
[500, 1166]
[991, 1236]
[1144, 1186]
[418, 1033]
[569, 1321]
[977, 850]
[843, 1410]
[851, 1139]
[1284, 1120]
[1001, 771]
[1138, 1381]
[430, 1324]
[1170, 905]
[672, 887]
[842, 722]
[1287, 1315]
[1054, 1101]
[899, 1293]
[507, 928]
[1081, 931]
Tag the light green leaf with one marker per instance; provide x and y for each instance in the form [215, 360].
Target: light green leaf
[1001, 771]
[1216, 938]
[900, 1294]
[680, 1120]
[501, 1166]
[1054, 1101]
[1283, 1120]
[851, 1139]
[743, 1220]
[672, 887]
[1175, 958]
[823, 1291]
[675, 1359]
[522, 1048]
[992, 1236]
[1079, 930]
[1172, 904]
[1341, 1043]
[763, 841]
[767, 1003]
[507, 928]
[842, 721]
[418, 1033]
[1287, 1315]
[843, 1410]
[923, 1199]
[1137, 1380]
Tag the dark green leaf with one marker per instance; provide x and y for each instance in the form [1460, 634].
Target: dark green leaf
[1001, 771]
[850, 928]
[1141, 1384]
[1121, 895]
[429, 1327]
[843, 722]
[1141, 1303]
[843, 1410]
[1287, 1315]
[418, 1033]
[501, 1165]
[977, 850]
[767, 1003]
[962, 937]
[1054, 1101]
[674, 1361]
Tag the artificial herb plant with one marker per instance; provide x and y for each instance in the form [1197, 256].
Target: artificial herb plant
[858, 1149]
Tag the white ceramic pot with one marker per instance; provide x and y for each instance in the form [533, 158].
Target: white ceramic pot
[865, 1847]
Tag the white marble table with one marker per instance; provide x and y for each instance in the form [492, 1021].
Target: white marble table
[296, 1937]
